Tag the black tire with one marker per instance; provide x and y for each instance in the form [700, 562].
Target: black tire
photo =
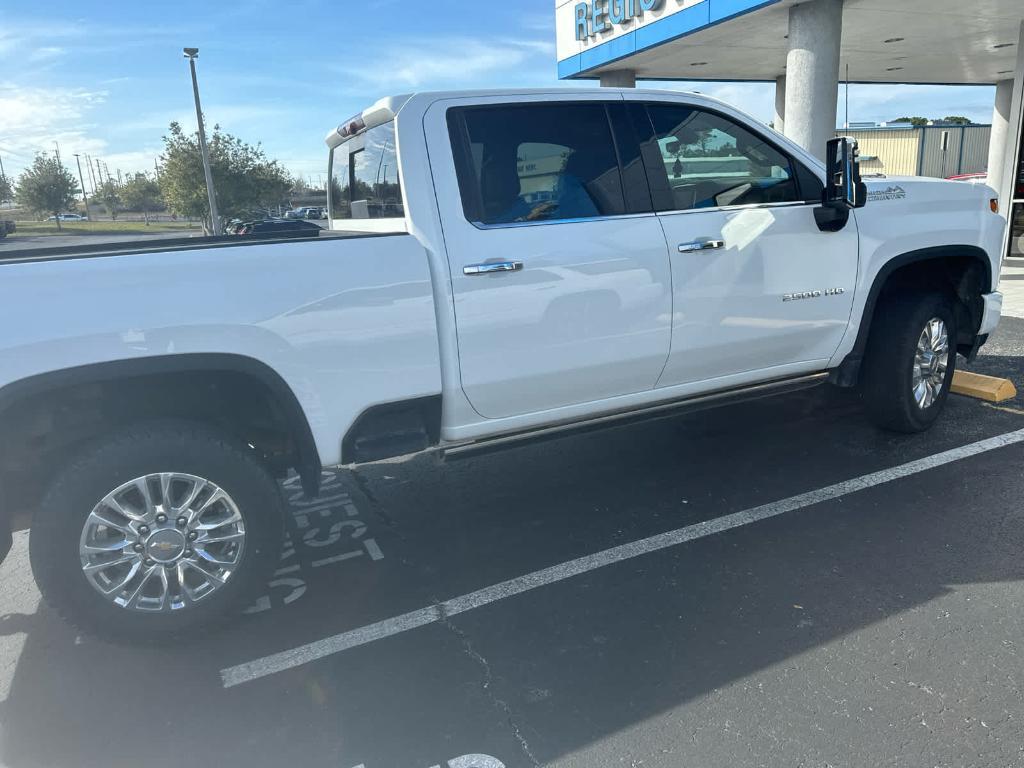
[136, 452]
[886, 378]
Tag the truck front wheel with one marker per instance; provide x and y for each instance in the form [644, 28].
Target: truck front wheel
[910, 361]
[156, 533]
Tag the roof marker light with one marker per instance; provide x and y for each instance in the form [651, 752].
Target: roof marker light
[345, 130]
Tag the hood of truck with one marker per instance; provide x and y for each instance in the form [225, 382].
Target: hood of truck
[911, 213]
[921, 189]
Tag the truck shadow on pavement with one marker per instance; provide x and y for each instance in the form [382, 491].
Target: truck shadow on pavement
[678, 634]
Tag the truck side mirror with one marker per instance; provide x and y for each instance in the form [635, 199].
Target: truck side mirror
[844, 188]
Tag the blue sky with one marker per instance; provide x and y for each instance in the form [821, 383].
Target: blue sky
[107, 78]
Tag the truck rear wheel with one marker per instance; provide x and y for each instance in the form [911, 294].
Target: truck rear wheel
[156, 533]
[910, 361]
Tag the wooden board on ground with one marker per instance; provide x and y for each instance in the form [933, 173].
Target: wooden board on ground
[987, 388]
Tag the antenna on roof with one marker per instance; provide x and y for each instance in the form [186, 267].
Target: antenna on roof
[847, 95]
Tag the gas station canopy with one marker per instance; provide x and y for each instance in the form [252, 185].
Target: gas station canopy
[807, 47]
[883, 41]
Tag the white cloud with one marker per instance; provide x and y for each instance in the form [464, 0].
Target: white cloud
[132, 162]
[441, 62]
[46, 53]
[8, 42]
[756, 99]
[32, 118]
[539, 22]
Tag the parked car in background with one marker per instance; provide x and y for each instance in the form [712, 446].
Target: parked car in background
[278, 228]
[67, 217]
[7, 227]
[973, 178]
[307, 212]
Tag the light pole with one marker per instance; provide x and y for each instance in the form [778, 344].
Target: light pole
[192, 54]
[85, 198]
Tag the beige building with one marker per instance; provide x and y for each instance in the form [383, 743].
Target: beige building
[935, 150]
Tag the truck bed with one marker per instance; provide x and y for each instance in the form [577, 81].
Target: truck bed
[37, 249]
[346, 320]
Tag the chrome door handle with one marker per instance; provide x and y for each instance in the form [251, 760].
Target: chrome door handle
[492, 267]
[701, 245]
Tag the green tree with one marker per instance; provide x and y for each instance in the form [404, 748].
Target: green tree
[244, 179]
[917, 122]
[6, 190]
[109, 194]
[47, 187]
[141, 193]
[957, 120]
[299, 186]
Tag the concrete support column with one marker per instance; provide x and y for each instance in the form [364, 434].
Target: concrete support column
[779, 122]
[1009, 163]
[619, 78]
[1000, 142]
[812, 73]
[1006, 133]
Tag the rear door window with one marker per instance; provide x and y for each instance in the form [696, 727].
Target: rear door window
[537, 162]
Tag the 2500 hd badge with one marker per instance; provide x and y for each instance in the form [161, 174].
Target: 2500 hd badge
[813, 294]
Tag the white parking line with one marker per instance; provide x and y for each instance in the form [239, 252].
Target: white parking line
[279, 662]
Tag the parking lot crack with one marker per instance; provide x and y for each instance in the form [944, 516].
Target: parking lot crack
[487, 683]
[375, 504]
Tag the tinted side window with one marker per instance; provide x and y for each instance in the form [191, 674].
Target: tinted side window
[545, 162]
[711, 162]
[365, 182]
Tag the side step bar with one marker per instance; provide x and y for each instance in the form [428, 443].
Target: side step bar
[634, 416]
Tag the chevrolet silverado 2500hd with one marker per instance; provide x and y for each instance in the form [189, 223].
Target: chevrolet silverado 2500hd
[499, 266]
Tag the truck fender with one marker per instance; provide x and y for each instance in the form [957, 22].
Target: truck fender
[308, 458]
[848, 372]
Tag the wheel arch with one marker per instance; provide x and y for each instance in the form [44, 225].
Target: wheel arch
[974, 264]
[307, 458]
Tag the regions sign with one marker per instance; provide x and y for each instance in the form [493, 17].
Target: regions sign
[597, 16]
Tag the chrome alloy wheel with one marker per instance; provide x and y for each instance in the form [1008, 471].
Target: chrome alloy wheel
[930, 363]
[162, 542]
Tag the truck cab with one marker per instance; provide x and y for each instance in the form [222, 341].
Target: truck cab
[612, 249]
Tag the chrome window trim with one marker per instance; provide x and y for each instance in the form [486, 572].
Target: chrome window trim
[602, 99]
[518, 224]
[750, 206]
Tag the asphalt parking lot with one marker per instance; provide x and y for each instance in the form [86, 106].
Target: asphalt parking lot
[773, 584]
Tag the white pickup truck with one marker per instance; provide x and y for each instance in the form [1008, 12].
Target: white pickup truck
[499, 267]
